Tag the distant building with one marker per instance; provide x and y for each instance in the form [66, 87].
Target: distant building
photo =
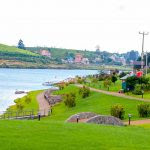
[85, 61]
[45, 53]
[78, 58]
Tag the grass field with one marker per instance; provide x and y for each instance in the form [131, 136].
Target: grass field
[11, 49]
[54, 133]
[27, 106]
[100, 85]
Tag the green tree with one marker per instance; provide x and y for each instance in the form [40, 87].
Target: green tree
[21, 45]
[113, 79]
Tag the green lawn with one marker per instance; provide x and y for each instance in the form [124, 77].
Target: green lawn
[100, 85]
[115, 88]
[54, 133]
[14, 50]
[27, 107]
[97, 102]
[46, 135]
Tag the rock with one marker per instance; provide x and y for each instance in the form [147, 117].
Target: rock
[89, 117]
[108, 120]
[52, 99]
[83, 115]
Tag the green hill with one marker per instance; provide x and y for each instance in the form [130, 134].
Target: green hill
[11, 53]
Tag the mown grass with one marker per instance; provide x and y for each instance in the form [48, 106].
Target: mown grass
[44, 135]
[11, 49]
[54, 133]
[100, 85]
[97, 102]
[32, 105]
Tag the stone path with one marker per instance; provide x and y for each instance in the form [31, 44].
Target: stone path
[116, 94]
[43, 104]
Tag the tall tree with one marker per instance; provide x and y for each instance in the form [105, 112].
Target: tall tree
[21, 45]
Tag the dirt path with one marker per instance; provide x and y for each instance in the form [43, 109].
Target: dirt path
[138, 122]
[43, 104]
[116, 94]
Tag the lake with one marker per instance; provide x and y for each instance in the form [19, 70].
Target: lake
[29, 80]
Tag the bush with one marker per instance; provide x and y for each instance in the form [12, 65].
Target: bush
[70, 100]
[19, 106]
[117, 111]
[107, 83]
[94, 80]
[113, 79]
[84, 92]
[143, 110]
[137, 89]
[80, 80]
[27, 99]
[61, 86]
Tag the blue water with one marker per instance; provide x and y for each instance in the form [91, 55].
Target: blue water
[30, 79]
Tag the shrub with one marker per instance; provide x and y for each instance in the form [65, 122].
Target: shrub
[27, 99]
[113, 79]
[80, 80]
[118, 111]
[61, 86]
[143, 110]
[94, 80]
[107, 83]
[137, 89]
[70, 100]
[19, 106]
[84, 91]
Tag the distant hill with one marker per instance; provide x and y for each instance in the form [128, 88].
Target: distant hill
[12, 57]
[15, 54]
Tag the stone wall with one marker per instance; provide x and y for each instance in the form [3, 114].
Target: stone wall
[109, 120]
[52, 99]
[89, 117]
[83, 115]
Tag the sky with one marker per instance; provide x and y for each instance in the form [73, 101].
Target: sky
[114, 25]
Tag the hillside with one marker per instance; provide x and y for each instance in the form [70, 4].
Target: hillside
[54, 133]
[10, 55]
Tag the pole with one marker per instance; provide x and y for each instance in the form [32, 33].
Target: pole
[146, 63]
[142, 54]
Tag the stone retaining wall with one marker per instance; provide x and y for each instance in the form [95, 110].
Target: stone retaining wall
[83, 115]
[109, 120]
[52, 99]
[89, 117]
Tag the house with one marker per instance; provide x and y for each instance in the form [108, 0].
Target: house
[78, 58]
[45, 53]
[85, 61]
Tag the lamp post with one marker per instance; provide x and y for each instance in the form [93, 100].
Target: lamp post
[142, 93]
[129, 115]
[77, 118]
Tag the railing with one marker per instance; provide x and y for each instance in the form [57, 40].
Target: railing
[25, 114]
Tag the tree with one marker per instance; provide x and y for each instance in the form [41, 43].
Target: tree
[21, 45]
[113, 79]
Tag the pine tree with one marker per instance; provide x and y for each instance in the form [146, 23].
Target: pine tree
[21, 45]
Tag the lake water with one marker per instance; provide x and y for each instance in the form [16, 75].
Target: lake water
[30, 79]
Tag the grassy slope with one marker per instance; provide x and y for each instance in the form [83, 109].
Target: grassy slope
[33, 105]
[54, 133]
[11, 49]
[115, 88]
[97, 102]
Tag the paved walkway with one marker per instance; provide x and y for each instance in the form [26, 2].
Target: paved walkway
[116, 94]
[43, 104]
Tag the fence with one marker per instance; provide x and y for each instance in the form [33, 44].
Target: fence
[25, 114]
